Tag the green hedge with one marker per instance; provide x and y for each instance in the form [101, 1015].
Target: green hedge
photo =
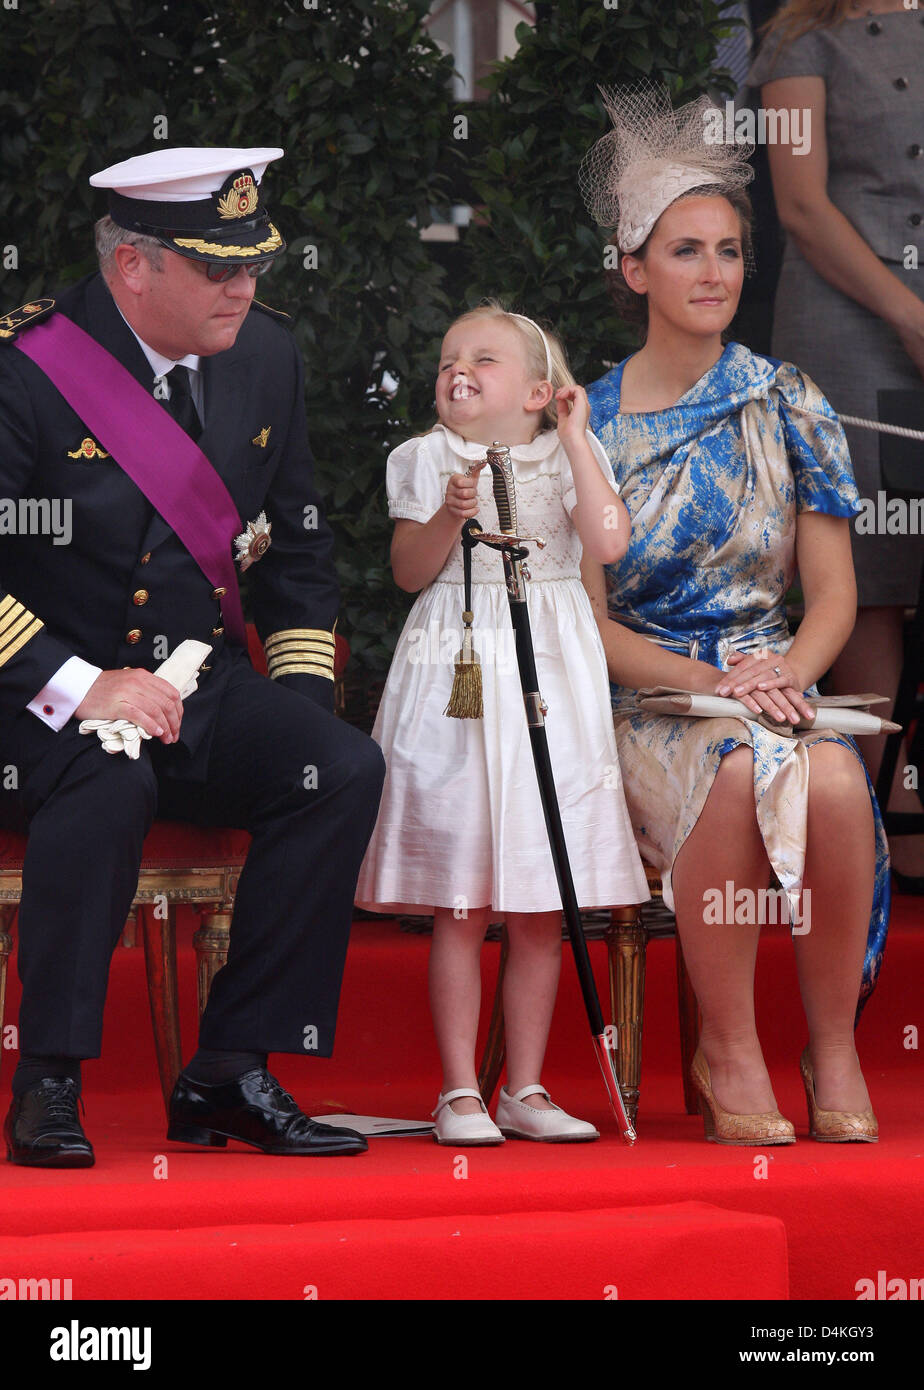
[360, 98]
[537, 245]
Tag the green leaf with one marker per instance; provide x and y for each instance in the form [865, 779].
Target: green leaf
[356, 144]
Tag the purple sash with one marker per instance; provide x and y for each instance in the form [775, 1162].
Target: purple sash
[141, 435]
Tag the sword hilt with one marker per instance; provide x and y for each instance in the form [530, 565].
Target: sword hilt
[498, 460]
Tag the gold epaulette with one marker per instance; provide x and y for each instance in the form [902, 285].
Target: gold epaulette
[27, 315]
[17, 627]
[301, 651]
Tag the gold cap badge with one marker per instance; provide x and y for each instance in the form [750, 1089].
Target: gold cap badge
[240, 199]
[261, 438]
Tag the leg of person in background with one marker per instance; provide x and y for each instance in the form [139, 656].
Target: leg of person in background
[872, 658]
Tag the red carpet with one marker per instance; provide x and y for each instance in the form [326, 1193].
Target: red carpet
[674, 1217]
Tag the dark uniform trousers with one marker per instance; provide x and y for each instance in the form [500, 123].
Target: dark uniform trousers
[306, 786]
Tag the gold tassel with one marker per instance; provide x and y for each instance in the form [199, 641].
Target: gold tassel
[465, 700]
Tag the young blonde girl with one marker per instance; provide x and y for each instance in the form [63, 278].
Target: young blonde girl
[461, 831]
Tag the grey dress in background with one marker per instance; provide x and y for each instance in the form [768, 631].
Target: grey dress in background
[873, 69]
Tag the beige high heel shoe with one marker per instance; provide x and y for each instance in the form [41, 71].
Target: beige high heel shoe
[835, 1126]
[723, 1127]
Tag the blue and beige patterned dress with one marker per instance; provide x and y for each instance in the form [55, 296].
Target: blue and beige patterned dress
[713, 486]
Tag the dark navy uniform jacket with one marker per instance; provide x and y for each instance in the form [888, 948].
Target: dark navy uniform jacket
[124, 591]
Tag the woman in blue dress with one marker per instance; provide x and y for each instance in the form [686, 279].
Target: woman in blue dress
[735, 472]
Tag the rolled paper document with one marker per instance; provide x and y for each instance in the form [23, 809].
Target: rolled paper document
[843, 714]
[181, 670]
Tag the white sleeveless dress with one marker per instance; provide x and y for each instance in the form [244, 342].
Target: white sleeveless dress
[461, 823]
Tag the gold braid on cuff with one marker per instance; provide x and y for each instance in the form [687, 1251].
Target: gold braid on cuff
[17, 627]
[301, 651]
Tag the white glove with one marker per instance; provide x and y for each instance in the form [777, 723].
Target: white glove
[181, 670]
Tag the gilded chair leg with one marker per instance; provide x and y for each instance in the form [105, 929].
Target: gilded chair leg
[495, 1048]
[7, 913]
[690, 1023]
[626, 941]
[211, 943]
[159, 936]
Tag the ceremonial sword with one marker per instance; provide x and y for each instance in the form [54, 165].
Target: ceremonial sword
[516, 572]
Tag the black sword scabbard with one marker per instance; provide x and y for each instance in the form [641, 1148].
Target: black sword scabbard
[535, 719]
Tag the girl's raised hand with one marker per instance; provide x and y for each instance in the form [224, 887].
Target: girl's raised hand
[462, 493]
[573, 412]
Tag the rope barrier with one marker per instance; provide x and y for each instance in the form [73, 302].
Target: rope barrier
[883, 429]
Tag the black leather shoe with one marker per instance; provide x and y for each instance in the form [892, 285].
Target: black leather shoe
[43, 1129]
[256, 1110]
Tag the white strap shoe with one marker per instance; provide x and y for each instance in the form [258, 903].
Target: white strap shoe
[519, 1121]
[462, 1130]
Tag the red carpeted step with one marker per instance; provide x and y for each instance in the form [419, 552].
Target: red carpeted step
[689, 1250]
[849, 1210]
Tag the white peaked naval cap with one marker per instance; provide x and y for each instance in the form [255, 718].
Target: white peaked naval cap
[204, 203]
[180, 175]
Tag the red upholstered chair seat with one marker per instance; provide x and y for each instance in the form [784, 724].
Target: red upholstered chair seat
[169, 845]
[178, 845]
[12, 849]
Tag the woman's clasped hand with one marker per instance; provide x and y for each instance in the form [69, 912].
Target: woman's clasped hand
[767, 684]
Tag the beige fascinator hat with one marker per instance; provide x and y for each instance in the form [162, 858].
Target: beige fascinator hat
[652, 156]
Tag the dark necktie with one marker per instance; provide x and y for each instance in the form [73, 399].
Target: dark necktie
[180, 404]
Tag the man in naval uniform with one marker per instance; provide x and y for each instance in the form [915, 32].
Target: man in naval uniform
[88, 613]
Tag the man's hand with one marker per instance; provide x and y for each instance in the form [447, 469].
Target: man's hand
[138, 695]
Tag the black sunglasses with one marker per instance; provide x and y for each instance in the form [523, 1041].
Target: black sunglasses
[218, 273]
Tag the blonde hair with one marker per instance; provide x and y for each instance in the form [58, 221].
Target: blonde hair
[535, 351]
[800, 17]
